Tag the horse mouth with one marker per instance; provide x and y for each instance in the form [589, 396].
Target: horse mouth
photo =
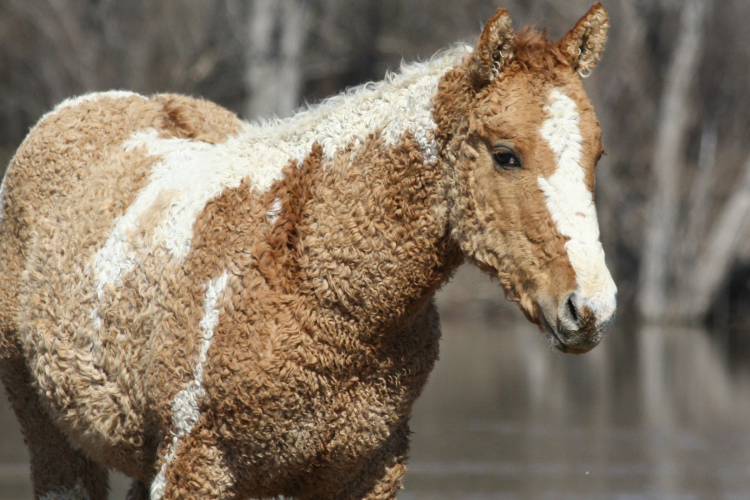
[556, 336]
[556, 340]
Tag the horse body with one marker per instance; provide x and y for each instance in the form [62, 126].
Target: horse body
[223, 310]
[162, 261]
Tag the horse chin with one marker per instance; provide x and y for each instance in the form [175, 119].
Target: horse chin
[577, 349]
[571, 342]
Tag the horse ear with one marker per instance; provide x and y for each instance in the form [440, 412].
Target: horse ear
[494, 48]
[583, 45]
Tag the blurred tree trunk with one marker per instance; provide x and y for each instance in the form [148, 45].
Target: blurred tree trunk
[278, 30]
[698, 202]
[69, 69]
[715, 262]
[667, 164]
[687, 256]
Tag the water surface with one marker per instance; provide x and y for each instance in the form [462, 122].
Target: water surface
[651, 413]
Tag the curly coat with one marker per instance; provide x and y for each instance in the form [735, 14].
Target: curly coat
[226, 310]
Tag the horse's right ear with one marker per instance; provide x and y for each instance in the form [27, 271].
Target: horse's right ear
[494, 49]
[583, 45]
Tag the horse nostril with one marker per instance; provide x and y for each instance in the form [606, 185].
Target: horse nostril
[573, 311]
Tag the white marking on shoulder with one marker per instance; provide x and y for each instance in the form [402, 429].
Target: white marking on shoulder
[198, 172]
[273, 213]
[185, 411]
[93, 96]
[571, 206]
[74, 493]
[190, 168]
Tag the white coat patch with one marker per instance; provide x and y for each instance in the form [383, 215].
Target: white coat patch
[185, 412]
[74, 493]
[273, 213]
[93, 96]
[199, 172]
[571, 206]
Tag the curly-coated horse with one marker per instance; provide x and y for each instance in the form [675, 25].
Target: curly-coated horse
[222, 309]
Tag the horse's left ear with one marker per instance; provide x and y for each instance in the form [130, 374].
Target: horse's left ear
[494, 49]
[583, 45]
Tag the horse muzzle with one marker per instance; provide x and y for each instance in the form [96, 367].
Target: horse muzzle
[573, 325]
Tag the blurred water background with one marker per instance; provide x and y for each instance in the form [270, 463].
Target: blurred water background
[652, 413]
[661, 409]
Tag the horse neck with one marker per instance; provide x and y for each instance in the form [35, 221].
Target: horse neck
[363, 197]
[374, 234]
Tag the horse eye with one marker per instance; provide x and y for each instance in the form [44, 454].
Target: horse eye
[505, 158]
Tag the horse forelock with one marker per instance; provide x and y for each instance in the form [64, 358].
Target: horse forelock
[534, 51]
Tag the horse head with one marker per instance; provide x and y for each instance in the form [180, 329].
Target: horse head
[520, 143]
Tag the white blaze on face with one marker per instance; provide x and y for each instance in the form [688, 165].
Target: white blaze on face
[571, 206]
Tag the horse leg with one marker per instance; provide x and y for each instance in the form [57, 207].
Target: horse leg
[381, 476]
[194, 467]
[387, 468]
[57, 470]
[389, 480]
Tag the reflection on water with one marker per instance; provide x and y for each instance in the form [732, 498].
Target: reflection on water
[652, 413]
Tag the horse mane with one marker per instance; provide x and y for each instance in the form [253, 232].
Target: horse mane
[393, 80]
[535, 52]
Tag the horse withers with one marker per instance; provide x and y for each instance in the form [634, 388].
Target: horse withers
[220, 309]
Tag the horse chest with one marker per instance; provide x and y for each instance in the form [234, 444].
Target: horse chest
[320, 426]
[289, 418]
